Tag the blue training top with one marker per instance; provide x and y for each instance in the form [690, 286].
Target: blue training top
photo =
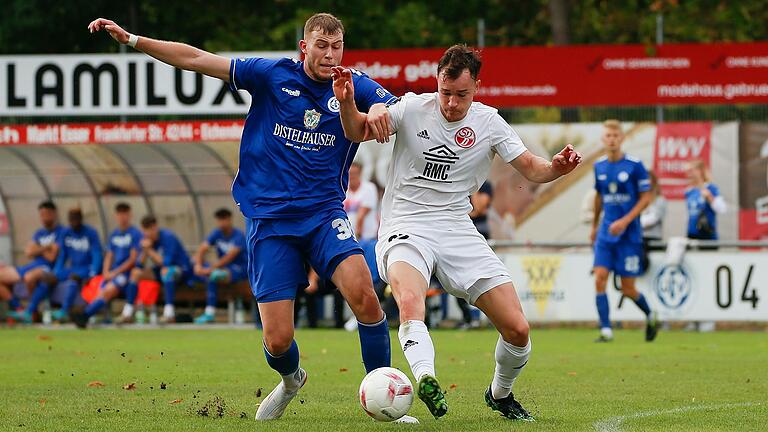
[697, 204]
[620, 184]
[171, 249]
[44, 237]
[224, 244]
[294, 158]
[121, 242]
[80, 248]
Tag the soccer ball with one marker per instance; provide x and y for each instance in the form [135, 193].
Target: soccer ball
[386, 394]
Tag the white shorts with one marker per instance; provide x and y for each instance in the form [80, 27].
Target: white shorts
[458, 256]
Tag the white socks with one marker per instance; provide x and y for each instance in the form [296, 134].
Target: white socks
[510, 360]
[606, 332]
[169, 311]
[127, 310]
[292, 382]
[210, 310]
[417, 347]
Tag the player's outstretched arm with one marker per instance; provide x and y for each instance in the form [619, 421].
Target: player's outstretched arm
[176, 54]
[539, 170]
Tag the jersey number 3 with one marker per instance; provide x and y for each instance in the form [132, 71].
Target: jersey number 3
[344, 227]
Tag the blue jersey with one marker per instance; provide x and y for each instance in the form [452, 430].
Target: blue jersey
[294, 158]
[80, 249]
[170, 247]
[697, 204]
[224, 244]
[620, 184]
[121, 243]
[45, 237]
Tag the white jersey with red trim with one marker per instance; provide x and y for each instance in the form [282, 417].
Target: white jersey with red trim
[436, 164]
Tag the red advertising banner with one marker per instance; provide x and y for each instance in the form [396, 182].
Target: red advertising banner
[753, 181]
[114, 133]
[676, 144]
[589, 74]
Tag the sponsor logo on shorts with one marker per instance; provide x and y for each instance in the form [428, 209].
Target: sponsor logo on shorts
[397, 237]
[465, 137]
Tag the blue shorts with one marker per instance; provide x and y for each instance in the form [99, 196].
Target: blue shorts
[35, 264]
[120, 281]
[66, 273]
[279, 249]
[624, 259]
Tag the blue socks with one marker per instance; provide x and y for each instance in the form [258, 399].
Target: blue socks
[213, 288]
[642, 304]
[40, 294]
[131, 292]
[286, 363]
[95, 307]
[73, 288]
[169, 289]
[603, 310]
[374, 344]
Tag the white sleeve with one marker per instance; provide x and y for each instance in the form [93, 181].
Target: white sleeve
[504, 140]
[718, 204]
[397, 111]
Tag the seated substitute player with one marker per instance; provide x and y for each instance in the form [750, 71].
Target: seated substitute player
[170, 262]
[230, 267]
[293, 171]
[120, 259]
[42, 249]
[623, 191]
[79, 259]
[443, 152]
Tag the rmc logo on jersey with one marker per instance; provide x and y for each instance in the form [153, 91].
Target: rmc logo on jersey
[439, 160]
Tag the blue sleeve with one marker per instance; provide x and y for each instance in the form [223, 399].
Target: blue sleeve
[36, 236]
[239, 240]
[97, 255]
[61, 257]
[594, 174]
[714, 190]
[368, 92]
[169, 244]
[642, 178]
[213, 236]
[249, 74]
[136, 237]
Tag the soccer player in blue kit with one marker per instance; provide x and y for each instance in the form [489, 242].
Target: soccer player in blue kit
[231, 265]
[623, 191]
[43, 249]
[163, 251]
[120, 259]
[80, 259]
[290, 186]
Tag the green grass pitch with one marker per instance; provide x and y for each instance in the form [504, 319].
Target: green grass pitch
[682, 382]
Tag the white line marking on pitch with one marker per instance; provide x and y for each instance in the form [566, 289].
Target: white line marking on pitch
[613, 424]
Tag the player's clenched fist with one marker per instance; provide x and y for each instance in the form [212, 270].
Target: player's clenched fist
[113, 29]
[567, 160]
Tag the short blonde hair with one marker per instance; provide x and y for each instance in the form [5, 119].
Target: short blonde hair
[613, 124]
[325, 22]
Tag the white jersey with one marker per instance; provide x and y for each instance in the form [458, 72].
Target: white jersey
[436, 165]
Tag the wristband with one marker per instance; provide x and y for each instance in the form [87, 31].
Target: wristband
[132, 40]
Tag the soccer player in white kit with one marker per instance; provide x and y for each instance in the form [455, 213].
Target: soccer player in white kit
[443, 152]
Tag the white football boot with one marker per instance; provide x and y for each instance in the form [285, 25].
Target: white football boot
[273, 406]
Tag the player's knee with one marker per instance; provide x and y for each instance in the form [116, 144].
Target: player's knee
[278, 342]
[366, 307]
[29, 278]
[516, 333]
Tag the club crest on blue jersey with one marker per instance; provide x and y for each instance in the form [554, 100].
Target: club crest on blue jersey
[333, 105]
[311, 119]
